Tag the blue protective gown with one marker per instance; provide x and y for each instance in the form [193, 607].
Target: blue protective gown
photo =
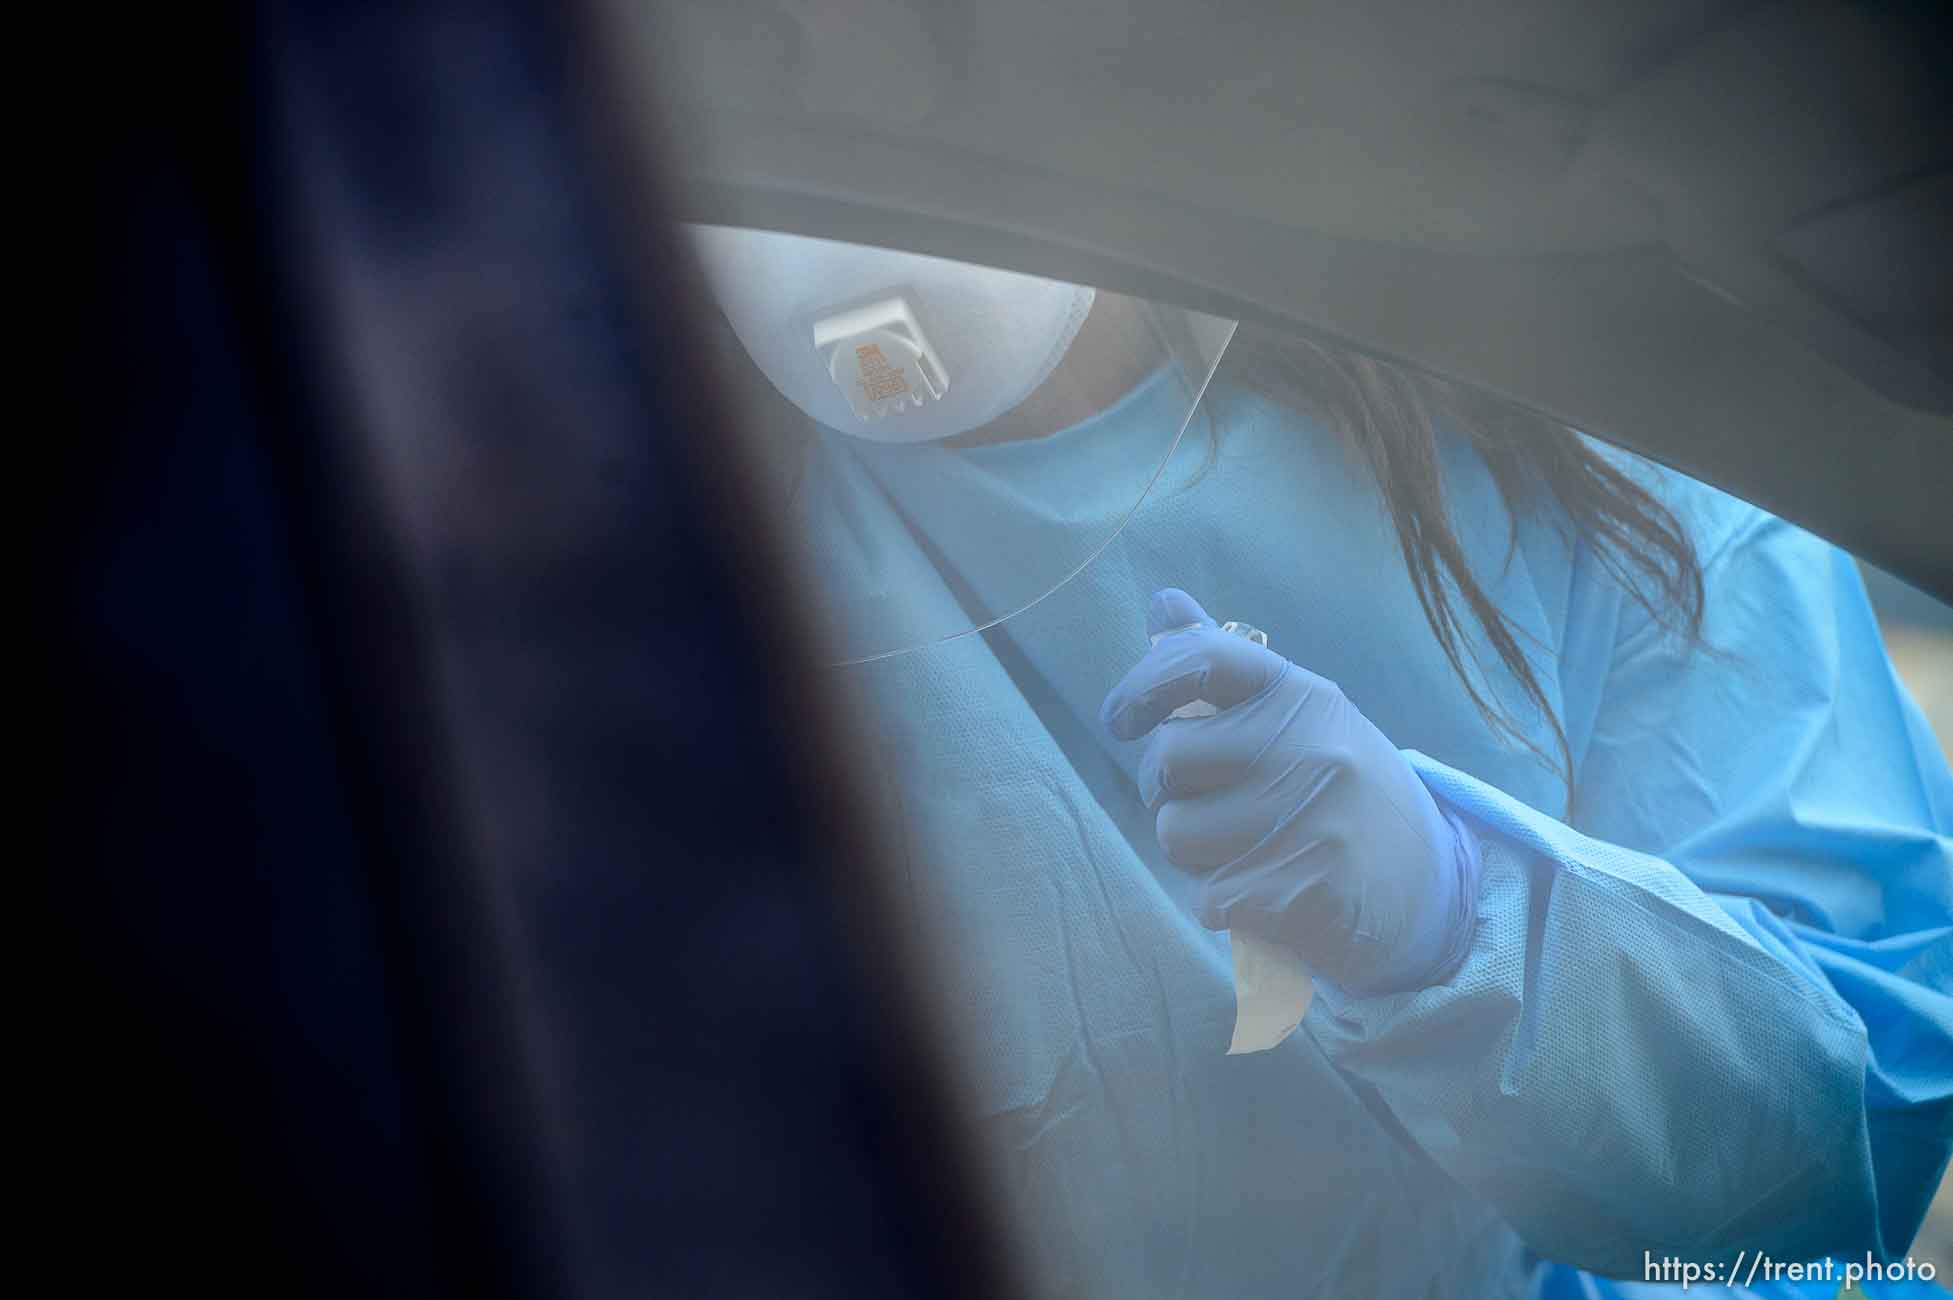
[1708, 1011]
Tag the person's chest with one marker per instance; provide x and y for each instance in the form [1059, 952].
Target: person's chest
[1281, 529]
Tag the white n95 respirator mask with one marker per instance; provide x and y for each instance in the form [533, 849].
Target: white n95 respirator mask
[888, 346]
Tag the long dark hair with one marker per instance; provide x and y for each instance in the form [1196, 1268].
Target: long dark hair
[1391, 417]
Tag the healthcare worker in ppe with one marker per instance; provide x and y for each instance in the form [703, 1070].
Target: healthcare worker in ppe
[1585, 793]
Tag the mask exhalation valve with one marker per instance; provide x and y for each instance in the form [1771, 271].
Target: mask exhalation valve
[879, 357]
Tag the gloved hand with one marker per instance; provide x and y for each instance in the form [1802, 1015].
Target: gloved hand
[1313, 828]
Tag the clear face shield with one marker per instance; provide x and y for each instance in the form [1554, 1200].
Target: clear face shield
[947, 444]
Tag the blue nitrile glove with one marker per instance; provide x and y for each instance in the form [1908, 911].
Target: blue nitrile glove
[1313, 828]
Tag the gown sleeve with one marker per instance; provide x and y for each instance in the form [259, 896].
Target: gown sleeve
[1715, 1014]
